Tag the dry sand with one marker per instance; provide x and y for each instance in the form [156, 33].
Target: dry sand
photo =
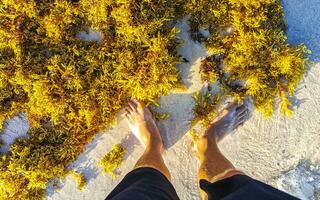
[280, 151]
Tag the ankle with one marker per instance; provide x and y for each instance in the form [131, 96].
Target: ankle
[206, 146]
[155, 145]
[208, 140]
[211, 135]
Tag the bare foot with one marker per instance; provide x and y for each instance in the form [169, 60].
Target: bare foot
[228, 120]
[142, 124]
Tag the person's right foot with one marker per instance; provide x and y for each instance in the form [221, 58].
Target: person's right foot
[228, 120]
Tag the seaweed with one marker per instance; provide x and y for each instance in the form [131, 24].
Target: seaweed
[113, 159]
[79, 178]
[248, 46]
[71, 89]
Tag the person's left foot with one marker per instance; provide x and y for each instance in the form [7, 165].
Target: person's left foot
[142, 125]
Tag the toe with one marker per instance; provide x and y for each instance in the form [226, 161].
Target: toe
[242, 119]
[128, 117]
[238, 125]
[241, 108]
[128, 110]
[132, 106]
[140, 104]
[242, 113]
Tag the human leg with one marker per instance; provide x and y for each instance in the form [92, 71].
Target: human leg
[218, 178]
[150, 178]
[145, 129]
[214, 165]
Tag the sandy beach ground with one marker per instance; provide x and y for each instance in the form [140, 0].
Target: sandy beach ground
[284, 152]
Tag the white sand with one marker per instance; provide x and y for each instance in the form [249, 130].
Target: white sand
[304, 181]
[17, 127]
[269, 150]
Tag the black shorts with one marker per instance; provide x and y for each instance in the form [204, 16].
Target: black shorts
[150, 184]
